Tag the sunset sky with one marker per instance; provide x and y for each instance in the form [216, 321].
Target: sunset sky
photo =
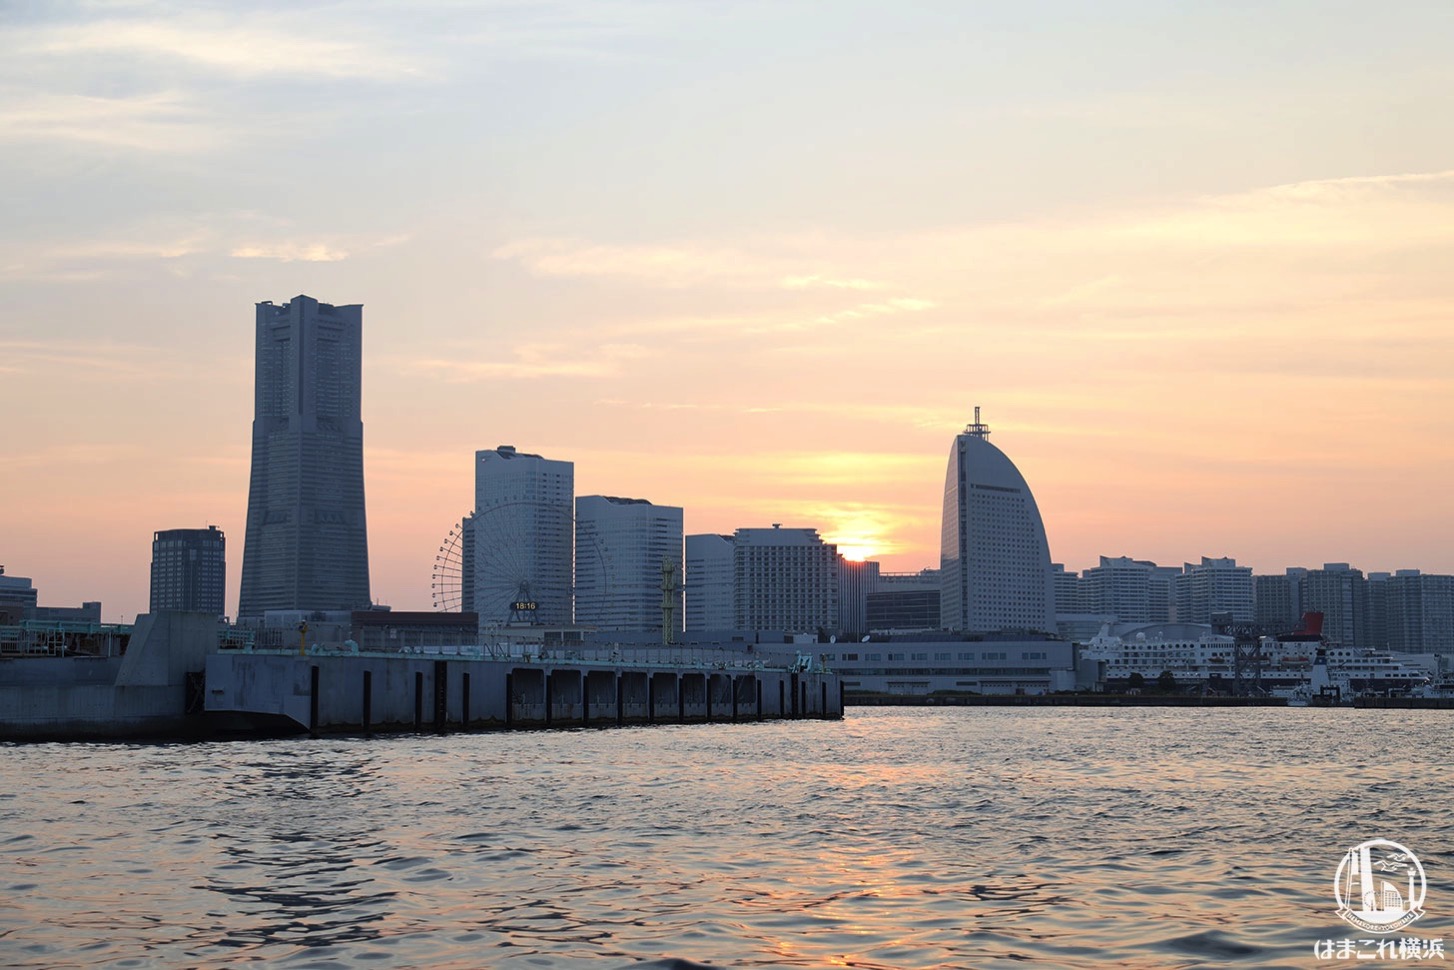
[760, 260]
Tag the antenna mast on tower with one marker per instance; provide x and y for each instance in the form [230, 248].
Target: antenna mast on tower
[977, 429]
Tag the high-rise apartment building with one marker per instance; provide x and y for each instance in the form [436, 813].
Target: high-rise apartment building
[1067, 586]
[1215, 586]
[524, 537]
[1376, 587]
[994, 557]
[1132, 590]
[189, 570]
[1340, 593]
[1418, 613]
[306, 545]
[621, 545]
[710, 575]
[1278, 600]
[784, 579]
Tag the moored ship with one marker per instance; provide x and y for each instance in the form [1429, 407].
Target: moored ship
[1295, 665]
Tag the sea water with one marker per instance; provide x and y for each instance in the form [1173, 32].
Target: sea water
[911, 837]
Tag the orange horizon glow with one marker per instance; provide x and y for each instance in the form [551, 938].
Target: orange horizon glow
[1192, 332]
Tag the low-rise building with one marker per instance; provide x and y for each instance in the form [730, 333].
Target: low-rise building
[941, 665]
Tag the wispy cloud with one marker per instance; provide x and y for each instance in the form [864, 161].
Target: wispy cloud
[80, 453]
[815, 282]
[531, 362]
[177, 246]
[766, 264]
[158, 121]
[895, 415]
[291, 252]
[902, 304]
[1378, 211]
[128, 361]
[661, 265]
[331, 250]
[746, 268]
[1337, 186]
[860, 469]
[242, 44]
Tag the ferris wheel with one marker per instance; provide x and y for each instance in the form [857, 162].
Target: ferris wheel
[512, 563]
[447, 582]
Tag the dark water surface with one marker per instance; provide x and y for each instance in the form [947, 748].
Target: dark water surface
[897, 838]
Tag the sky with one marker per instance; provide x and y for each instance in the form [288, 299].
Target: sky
[759, 260]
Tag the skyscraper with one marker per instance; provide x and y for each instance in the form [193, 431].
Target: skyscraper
[784, 579]
[1340, 593]
[189, 570]
[710, 580]
[306, 546]
[1278, 600]
[1215, 586]
[620, 546]
[994, 558]
[1419, 613]
[523, 538]
[1131, 590]
[856, 580]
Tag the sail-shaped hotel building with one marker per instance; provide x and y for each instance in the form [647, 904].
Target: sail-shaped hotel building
[994, 557]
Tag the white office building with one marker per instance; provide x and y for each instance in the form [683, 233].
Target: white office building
[621, 545]
[784, 579]
[710, 571]
[994, 557]
[523, 538]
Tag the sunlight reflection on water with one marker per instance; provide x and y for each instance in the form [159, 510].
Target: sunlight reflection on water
[896, 838]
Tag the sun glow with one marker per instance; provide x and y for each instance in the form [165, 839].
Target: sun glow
[855, 552]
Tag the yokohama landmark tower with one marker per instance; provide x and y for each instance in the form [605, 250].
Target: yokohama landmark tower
[306, 546]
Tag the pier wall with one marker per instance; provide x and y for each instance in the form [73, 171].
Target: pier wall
[142, 694]
[389, 692]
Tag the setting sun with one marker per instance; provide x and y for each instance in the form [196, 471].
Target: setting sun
[856, 552]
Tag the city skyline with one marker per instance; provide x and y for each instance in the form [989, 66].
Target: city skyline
[1189, 261]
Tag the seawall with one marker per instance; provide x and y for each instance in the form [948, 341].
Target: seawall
[278, 691]
[143, 694]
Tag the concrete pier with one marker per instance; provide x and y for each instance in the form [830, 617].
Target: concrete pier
[153, 690]
[472, 690]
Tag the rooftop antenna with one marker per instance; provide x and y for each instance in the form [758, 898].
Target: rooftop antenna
[977, 429]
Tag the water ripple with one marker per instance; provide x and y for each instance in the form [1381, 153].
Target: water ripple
[917, 838]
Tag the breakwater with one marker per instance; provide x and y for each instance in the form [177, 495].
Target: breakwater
[178, 675]
[469, 689]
